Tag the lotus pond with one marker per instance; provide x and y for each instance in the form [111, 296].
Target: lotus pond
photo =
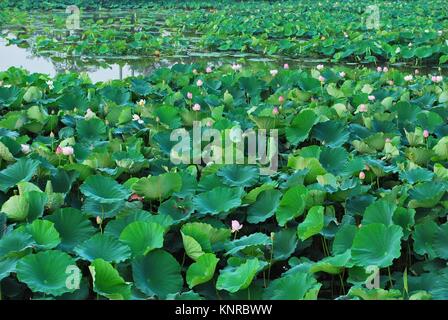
[92, 205]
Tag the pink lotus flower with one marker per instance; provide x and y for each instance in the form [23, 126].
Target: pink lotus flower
[236, 226]
[208, 70]
[281, 99]
[286, 66]
[408, 77]
[196, 107]
[362, 175]
[321, 79]
[135, 197]
[25, 148]
[199, 83]
[385, 69]
[425, 134]
[379, 69]
[436, 79]
[362, 108]
[67, 151]
[342, 74]
[274, 72]
[371, 98]
[275, 111]
[320, 67]
[136, 117]
[189, 95]
[236, 67]
[59, 150]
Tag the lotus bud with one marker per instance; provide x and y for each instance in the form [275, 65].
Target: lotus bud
[25, 148]
[425, 134]
[199, 83]
[189, 95]
[208, 70]
[196, 107]
[362, 175]
[320, 67]
[236, 226]
[99, 220]
[286, 66]
[273, 72]
[281, 99]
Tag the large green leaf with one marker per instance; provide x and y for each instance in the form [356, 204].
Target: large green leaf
[103, 246]
[426, 194]
[424, 236]
[108, 282]
[377, 245]
[202, 270]
[157, 274]
[73, 227]
[381, 211]
[104, 189]
[199, 238]
[158, 187]
[441, 242]
[331, 133]
[253, 240]
[285, 243]
[291, 205]
[46, 272]
[22, 170]
[239, 175]
[313, 223]
[15, 242]
[143, 237]
[264, 207]
[217, 200]
[233, 279]
[295, 286]
[91, 130]
[301, 126]
[44, 234]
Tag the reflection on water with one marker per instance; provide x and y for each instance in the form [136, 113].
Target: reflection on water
[104, 69]
[13, 56]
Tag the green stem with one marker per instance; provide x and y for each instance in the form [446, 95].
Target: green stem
[390, 278]
[342, 282]
[270, 262]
